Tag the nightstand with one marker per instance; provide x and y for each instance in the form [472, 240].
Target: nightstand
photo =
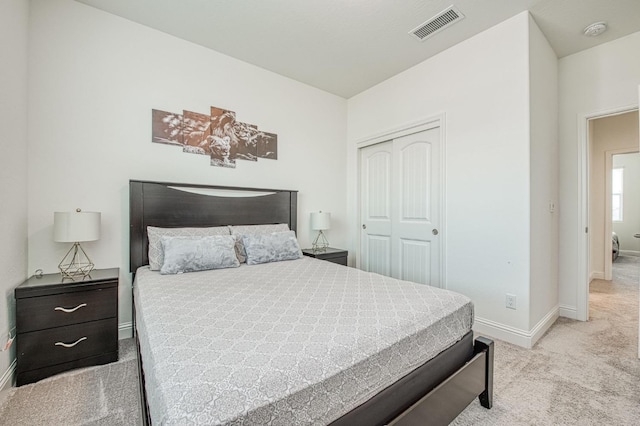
[65, 324]
[334, 255]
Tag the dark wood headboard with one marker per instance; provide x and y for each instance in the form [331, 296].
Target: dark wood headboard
[172, 205]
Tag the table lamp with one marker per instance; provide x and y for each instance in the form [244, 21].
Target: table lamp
[76, 227]
[320, 221]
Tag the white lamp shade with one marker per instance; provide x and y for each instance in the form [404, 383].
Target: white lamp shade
[320, 221]
[72, 227]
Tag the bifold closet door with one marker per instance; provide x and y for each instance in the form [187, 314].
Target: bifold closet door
[400, 193]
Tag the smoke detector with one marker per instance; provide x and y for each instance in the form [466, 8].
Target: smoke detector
[595, 29]
[442, 20]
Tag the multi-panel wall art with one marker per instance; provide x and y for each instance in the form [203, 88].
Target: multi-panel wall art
[218, 135]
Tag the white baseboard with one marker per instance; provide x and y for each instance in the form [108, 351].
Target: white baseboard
[514, 335]
[7, 378]
[630, 252]
[568, 312]
[500, 331]
[125, 330]
[596, 276]
[544, 324]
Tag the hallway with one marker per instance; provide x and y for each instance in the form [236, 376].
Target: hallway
[613, 305]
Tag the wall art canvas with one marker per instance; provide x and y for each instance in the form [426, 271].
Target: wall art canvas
[166, 127]
[218, 135]
[196, 128]
[246, 134]
[268, 145]
[222, 137]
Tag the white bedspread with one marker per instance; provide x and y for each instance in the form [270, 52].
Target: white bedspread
[286, 343]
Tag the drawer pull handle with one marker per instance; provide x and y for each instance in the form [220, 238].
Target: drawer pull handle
[58, 308]
[70, 345]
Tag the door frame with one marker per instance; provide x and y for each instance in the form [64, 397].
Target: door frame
[584, 143]
[428, 123]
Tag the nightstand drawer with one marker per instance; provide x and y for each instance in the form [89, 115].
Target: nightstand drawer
[63, 344]
[340, 260]
[39, 313]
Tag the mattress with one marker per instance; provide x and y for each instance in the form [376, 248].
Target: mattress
[295, 342]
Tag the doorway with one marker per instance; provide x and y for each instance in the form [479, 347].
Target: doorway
[585, 203]
[624, 193]
[605, 137]
[609, 137]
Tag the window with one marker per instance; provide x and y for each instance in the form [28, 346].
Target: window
[617, 178]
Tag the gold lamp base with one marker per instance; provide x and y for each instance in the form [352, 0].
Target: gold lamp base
[76, 263]
[320, 243]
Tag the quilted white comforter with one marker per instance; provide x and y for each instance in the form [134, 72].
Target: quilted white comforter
[293, 342]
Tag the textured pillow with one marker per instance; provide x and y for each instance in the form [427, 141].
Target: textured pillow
[156, 255]
[241, 230]
[271, 247]
[189, 254]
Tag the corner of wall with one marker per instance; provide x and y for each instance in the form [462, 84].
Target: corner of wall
[567, 311]
[14, 36]
[524, 338]
[543, 175]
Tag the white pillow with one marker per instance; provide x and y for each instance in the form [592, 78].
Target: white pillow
[156, 255]
[241, 230]
[271, 247]
[189, 254]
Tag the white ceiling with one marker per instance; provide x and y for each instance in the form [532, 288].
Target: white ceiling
[347, 46]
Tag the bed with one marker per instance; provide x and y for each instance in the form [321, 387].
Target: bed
[350, 347]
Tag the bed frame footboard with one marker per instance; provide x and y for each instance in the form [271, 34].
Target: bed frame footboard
[444, 403]
[439, 407]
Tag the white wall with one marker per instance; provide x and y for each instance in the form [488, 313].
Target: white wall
[593, 81]
[613, 133]
[94, 79]
[14, 15]
[630, 224]
[543, 92]
[484, 94]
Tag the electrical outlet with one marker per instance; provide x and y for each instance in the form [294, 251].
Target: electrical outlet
[511, 301]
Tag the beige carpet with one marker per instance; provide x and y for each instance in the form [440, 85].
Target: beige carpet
[105, 395]
[579, 373]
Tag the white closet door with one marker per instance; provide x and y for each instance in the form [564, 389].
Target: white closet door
[400, 193]
[415, 253]
[375, 193]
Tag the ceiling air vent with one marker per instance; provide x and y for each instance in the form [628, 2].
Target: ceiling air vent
[442, 20]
